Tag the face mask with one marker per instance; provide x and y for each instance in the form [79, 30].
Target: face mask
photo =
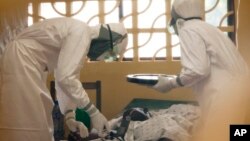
[173, 29]
[111, 55]
[108, 56]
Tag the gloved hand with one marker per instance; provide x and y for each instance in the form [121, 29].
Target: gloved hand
[75, 126]
[98, 120]
[166, 84]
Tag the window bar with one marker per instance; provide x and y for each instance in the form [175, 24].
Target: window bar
[168, 36]
[136, 57]
[231, 20]
[68, 8]
[36, 11]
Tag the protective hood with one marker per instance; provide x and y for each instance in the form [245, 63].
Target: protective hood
[185, 9]
[111, 42]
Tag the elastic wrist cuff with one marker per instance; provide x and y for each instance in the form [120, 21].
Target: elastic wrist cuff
[68, 111]
[87, 107]
[90, 109]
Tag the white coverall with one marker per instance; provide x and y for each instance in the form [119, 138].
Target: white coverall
[215, 70]
[213, 67]
[58, 45]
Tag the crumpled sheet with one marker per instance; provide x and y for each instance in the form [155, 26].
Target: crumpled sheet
[175, 123]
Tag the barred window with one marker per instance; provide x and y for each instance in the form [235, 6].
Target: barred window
[146, 22]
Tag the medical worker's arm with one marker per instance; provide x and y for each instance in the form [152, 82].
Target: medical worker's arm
[67, 74]
[194, 58]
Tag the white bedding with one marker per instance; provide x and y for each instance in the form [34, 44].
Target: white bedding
[175, 123]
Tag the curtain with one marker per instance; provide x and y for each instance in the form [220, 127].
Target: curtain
[13, 18]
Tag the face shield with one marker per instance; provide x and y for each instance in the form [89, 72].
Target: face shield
[172, 24]
[112, 41]
[112, 54]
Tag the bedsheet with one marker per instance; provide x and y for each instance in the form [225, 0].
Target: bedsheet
[169, 120]
[173, 120]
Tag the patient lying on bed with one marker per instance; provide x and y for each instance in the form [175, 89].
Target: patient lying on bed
[173, 124]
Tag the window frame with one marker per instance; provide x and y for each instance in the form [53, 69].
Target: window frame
[135, 30]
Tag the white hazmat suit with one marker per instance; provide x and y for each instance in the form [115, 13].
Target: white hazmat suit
[58, 45]
[211, 65]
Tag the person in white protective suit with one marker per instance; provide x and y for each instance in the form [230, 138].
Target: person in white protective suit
[212, 67]
[58, 45]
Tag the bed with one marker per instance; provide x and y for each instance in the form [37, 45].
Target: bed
[156, 120]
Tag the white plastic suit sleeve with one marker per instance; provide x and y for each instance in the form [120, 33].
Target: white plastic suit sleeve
[195, 61]
[64, 100]
[70, 61]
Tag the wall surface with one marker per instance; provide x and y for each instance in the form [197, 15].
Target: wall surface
[244, 35]
[244, 29]
[117, 92]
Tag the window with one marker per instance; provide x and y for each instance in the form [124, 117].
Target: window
[145, 20]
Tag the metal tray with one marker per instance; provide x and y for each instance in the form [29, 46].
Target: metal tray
[144, 79]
